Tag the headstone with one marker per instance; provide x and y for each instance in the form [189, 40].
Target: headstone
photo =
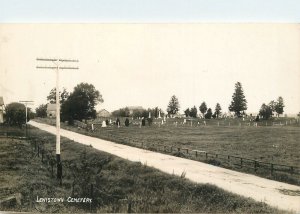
[92, 127]
[162, 122]
[118, 122]
[204, 122]
[103, 123]
[149, 114]
[159, 114]
[184, 121]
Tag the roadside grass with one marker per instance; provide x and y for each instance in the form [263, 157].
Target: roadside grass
[114, 184]
[272, 144]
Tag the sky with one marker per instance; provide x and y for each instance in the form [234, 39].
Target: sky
[195, 50]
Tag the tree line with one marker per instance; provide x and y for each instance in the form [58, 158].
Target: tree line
[81, 102]
[238, 106]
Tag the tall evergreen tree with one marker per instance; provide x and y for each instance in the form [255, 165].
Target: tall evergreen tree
[173, 106]
[239, 102]
[218, 110]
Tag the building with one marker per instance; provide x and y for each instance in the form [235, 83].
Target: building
[103, 113]
[51, 110]
[1, 109]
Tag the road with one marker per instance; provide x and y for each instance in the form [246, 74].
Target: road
[277, 194]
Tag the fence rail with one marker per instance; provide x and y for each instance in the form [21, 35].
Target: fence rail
[230, 160]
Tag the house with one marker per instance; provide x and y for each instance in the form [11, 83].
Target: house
[1, 109]
[103, 113]
[51, 110]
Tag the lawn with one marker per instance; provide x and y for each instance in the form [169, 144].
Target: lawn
[114, 184]
[274, 144]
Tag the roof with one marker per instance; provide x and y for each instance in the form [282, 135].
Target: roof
[103, 110]
[51, 107]
[1, 101]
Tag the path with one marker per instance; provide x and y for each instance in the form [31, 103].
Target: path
[260, 189]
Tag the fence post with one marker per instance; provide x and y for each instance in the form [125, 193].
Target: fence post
[241, 162]
[196, 153]
[178, 149]
[255, 166]
[292, 170]
[42, 151]
[228, 158]
[38, 150]
[272, 168]
[206, 155]
[164, 148]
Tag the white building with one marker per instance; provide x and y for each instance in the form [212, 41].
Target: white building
[51, 110]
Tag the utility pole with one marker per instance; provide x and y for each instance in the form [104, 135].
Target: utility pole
[26, 102]
[58, 65]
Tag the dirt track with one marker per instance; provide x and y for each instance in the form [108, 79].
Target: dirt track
[260, 189]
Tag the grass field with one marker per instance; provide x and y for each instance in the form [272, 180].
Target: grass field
[277, 144]
[114, 184]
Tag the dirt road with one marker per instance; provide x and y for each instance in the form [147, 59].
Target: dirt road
[277, 194]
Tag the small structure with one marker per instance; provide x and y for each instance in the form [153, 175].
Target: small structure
[1, 109]
[103, 113]
[51, 110]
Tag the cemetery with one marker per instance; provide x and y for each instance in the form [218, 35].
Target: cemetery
[261, 144]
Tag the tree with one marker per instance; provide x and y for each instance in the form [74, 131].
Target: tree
[193, 112]
[279, 106]
[81, 103]
[203, 108]
[41, 111]
[63, 96]
[187, 112]
[218, 110]
[265, 111]
[239, 102]
[15, 114]
[272, 106]
[173, 106]
[208, 115]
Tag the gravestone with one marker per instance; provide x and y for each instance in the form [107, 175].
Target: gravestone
[118, 122]
[159, 114]
[103, 123]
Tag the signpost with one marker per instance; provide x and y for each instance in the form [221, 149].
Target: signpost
[26, 102]
[58, 65]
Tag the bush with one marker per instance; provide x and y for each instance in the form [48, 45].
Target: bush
[127, 122]
[15, 114]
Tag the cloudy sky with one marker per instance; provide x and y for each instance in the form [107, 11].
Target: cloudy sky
[145, 64]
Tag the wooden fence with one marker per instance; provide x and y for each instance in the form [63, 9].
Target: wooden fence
[231, 161]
